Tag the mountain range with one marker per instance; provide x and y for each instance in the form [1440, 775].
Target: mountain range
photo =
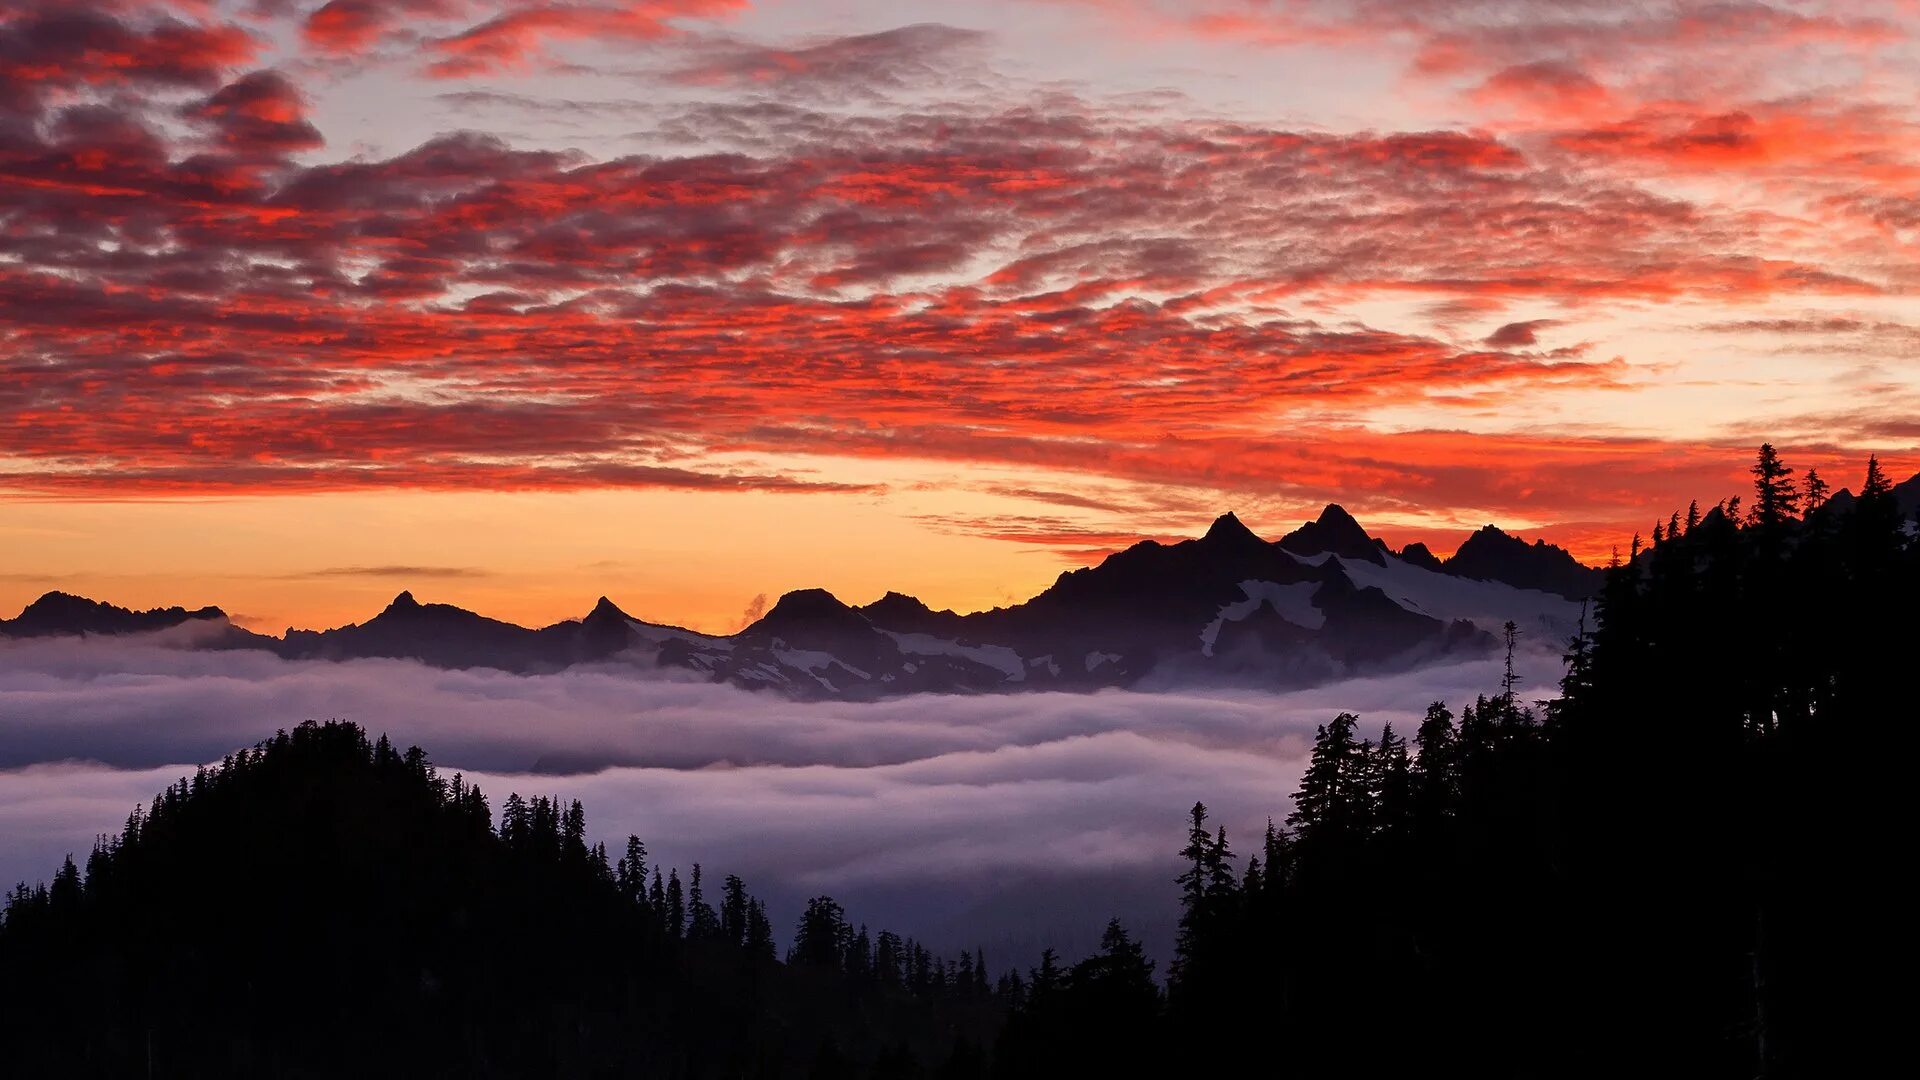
[1226, 608]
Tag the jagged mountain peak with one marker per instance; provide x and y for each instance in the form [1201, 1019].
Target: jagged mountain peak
[404, 609]
[1333, 514]
[55, 600]
[1493, 554]
[807, 603]
[57, 612]
[1420, 555]
[605, 609]
[1334, 531]
[897, 604]
[809, 611]
[56, 603]
[1229, 529]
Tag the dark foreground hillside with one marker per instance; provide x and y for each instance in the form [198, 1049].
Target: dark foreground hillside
[321, 905]
[1690, 863]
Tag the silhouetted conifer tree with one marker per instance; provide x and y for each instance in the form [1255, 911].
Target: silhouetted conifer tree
[676, 906]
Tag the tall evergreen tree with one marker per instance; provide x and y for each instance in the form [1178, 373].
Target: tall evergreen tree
[760, 943]
[822, 937]
[703, 922]
[676, 906]
[733, 910]
[1775, 497]
[630, 873]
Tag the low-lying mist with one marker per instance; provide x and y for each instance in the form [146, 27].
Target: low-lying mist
[1005, 821]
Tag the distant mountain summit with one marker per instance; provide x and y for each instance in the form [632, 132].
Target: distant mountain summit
[1335, 532]
[64, 613]
[1324, 601]
[1418, 554]
[1224, 608]
[1493, 555]
[1228, 531]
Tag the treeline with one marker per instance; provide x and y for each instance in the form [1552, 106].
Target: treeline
[1683, 865]
[322, 903]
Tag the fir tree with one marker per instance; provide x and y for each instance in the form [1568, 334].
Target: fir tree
[676, 906]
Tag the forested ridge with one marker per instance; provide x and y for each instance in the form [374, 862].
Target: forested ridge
[1687, 862]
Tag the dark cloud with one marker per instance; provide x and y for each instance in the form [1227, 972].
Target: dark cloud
[1518, 335]
[259, 114]
[859, 66]
[404, 572]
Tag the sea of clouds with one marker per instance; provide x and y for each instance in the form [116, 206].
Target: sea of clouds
[1009, 822]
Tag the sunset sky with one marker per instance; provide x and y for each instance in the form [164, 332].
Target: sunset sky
[692, 302]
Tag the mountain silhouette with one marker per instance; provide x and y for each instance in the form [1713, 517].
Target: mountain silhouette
[1492, 555]
[1324, 601]
[1334, 531]
[63, 613]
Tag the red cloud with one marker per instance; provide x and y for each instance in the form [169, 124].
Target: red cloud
[510, 39]
[464, 38]
[1545, 88]
[261, 113]
[863, 63]
[79, 45]
[346, 27]
[1067, 286]
[1822, 139]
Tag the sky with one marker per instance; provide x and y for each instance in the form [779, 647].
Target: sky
[692, 302]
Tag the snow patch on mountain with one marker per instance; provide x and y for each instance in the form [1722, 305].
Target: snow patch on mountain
[1294, 602]
[998, 657]
[813, 661]
[653, 634]
[1486, 604]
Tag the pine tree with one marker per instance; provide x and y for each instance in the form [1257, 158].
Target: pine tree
[1047, 979]
[1814, 491]
[66, 890]
[859, 958]
[1221, 885]
[1119, 978]
[1510, 681]
[631, 873]
[703, 923]
[760, 943]
[888, 959]
[822, 937]
[514, 820]
[574, 832]
[1276, 851]
[1331, 806]
[1436, 759]
[1193, 881]
[1775, 498]
[1207, 889]
[1392, 784]
[733, 910]
[676, 910]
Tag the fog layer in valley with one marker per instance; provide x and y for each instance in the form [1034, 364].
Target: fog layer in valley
[1003, 821]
